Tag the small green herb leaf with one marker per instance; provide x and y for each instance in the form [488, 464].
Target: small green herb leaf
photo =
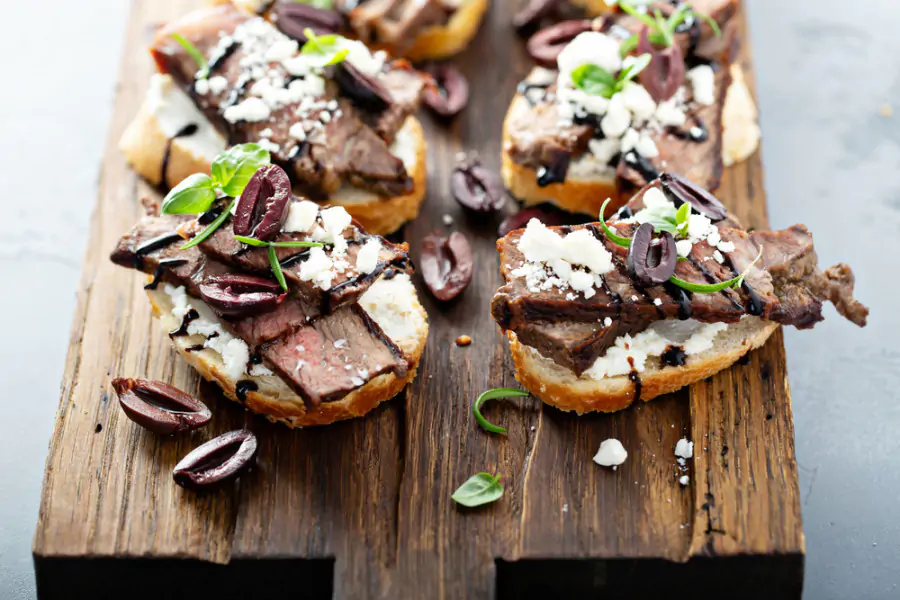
[638, 13]
[324, 50]
[712, 288]
[211, 228]
[492, 395]
[296, 244]
[634, 69]
[192, 196]
[323, 4]
[250, 241]
[233, 168]
[682, 218]
[600, 82]
[479, 489]
[202, 65]
[276, 268]
[617, 239]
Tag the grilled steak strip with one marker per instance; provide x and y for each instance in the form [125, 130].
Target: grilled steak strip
[396, 22]
[348, 337]
[345, 288]
[344, 151]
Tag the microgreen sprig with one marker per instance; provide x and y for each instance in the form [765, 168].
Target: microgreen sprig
[617, 239]
[598, 81]
[479, 489]
[712, 288]
[322, 4]
[492, 395]
[273, 257]
[662, 30]
[211, 228]
[327, 49]
[202, 65]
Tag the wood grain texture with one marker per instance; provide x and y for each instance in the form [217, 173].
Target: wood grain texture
[362, 509]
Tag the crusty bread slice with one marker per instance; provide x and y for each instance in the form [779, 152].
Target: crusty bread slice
[563, 389]
[166, 109]
[586, 193]
[391, 303]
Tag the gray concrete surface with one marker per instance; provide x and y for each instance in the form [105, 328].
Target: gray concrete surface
[826, 69]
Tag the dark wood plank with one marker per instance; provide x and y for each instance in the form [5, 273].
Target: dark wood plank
[363, 508]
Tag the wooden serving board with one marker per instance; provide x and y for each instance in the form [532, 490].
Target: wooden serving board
[362, 509]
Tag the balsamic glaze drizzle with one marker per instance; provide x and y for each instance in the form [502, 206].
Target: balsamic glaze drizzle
[638, 384]
[195, 348]
[243, 387]
[186, 131]
[152, 245]
[674, 356]
[682, 297]
[189, 316]
[526, 87]
[221, 56]
[164, 264]
[642, 165]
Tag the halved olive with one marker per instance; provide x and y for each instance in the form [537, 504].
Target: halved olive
[651, 261]
[680, 190]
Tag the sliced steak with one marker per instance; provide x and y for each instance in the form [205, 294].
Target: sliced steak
[334, 355]
[347, 285]
[338, 147]
[339, 352]
[396, 22]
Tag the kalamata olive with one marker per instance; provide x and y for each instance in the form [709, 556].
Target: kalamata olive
[293, 18]
[263, 206]
[219, 460]
[681, 190]
[451, 94]
[546, 45]
[476, 187]
[160, 407]
[533, 12]
[241, 294]
[651, 261]
[665, 73]
[446, 264]
[364, 91]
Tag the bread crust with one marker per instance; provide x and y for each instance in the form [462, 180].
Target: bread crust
[144, 146]
[444, 41]
[561, 388]
[274, 399]
[740, 141]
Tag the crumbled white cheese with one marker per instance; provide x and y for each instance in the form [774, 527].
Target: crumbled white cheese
[201, 86]
[639, 101]
[617, 119]
[251, 110]
[297, 131]
[217, 84]
[603, 150]
[646, 146]
[317, 268]
[281, 49]
[683, 247]
[367, 257]
[173, 110]
[369, 63]
[611, 453]
[703, 82]
[590, 47]
[629, 140]
[684, 480]
[301, 216]
[392, 304]
[671, 113]
[684, 448]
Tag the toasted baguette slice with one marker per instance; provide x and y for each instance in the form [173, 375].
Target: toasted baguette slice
[432, 43]
[391, 303]
[167, 109]
[585, 192]
[561, 388]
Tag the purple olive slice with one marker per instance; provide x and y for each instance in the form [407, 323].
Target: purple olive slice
[362, 90]
[681, 190]
[446, 264]
[546, 45]
[160, 407]
[237, 294]
[450, 95]
[476, 187]
[217, 461]
[651, 261]
[665, 73]
[293, 18]
[263, 206]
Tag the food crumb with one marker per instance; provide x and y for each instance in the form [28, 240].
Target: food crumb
[565, 508]
[447, 220]
[611, 453]
[886, 110]
[463, 340]
[684, 480]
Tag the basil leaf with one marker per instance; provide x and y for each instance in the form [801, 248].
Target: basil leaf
[202, 65]
[211, 228]
[617, 239]
[276, 268]
[594, 80]
[192, 196]
[479, 489]
[250, 241]
[491, 395]
[233, 168]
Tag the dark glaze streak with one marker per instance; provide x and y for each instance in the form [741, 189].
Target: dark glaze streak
[624, 213]
[152, 245]
[642, 166]
[237, 91]
[185, 321]
[698, 133]
[711, 279]
[195, 348]
[217, 60]
[525, 88]
[164, 264]
[757, 306]
[209, 216]
[674, 356]
[243, 387]
[683, 298]
[186, 131]
[636, 380]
